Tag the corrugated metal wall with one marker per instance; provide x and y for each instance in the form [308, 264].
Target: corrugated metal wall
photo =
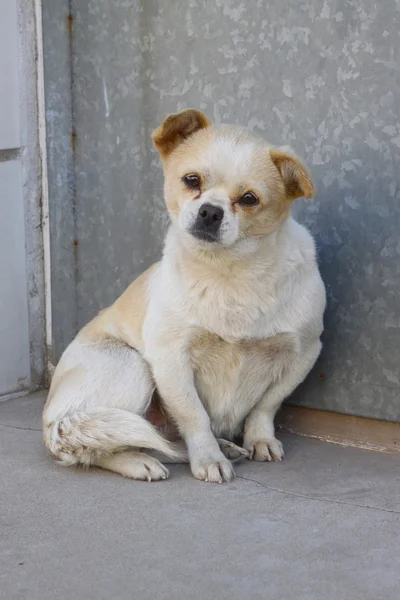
[320, 76]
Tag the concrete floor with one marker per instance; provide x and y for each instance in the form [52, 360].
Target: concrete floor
[323, 525]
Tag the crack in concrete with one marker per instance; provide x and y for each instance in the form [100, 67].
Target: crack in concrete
[307, 497]
[17, 427]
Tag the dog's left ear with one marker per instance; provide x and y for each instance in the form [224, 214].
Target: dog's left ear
[294, 173]
[177, 128]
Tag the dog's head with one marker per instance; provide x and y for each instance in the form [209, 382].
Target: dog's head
[224, 184]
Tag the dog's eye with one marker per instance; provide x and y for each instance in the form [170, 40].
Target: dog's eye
[192, 181]
[249, 199]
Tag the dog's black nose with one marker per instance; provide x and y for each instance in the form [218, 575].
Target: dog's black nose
[210, 215]
[207, 224]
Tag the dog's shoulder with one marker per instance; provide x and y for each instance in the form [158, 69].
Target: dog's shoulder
[124, 319]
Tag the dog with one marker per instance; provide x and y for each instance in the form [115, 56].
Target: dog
[212, 338]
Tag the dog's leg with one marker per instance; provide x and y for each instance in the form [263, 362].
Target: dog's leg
[259, 430]
[174, 378]
[97, 407]
[135, 465]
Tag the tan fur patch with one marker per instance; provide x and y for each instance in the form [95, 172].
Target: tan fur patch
[176, 128]
[295, 175]
[123, 320]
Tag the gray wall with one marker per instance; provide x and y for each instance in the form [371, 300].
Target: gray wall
[320, 76]
[22, 346]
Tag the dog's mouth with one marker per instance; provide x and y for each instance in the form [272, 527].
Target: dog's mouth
[204, 235]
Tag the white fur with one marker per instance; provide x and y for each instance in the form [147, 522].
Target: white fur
[278, 289]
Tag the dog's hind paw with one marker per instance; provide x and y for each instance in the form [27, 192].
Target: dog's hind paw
[231, 450]
[134, 465]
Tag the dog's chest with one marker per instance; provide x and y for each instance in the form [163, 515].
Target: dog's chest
[230, 378]
[235, 311]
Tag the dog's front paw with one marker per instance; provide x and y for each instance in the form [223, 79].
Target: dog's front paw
[265, 450]
[213, 469]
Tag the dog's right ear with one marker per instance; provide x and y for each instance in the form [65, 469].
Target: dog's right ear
[177, 128]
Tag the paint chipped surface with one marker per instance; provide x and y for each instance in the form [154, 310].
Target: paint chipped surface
[320, 76]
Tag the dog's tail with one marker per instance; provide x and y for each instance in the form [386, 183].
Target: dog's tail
[80, 437]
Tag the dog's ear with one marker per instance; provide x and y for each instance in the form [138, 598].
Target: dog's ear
[295, 175]
[177, 128]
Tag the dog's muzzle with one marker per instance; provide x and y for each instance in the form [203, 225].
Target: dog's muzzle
[208, 222]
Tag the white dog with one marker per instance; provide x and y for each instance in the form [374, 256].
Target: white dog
[216, 335]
